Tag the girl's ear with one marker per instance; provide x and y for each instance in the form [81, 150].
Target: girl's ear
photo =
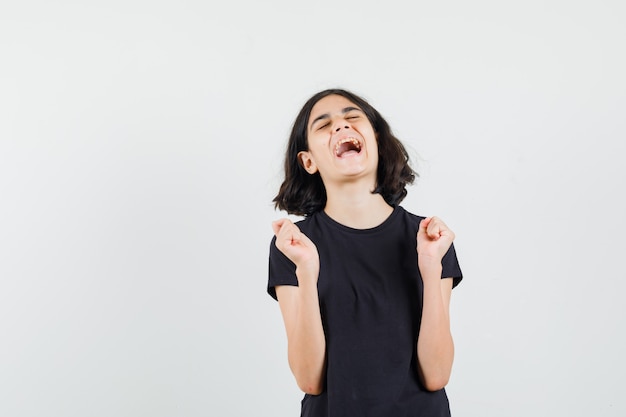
[306, 160]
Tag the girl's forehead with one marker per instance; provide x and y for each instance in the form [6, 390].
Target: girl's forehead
[331, 104]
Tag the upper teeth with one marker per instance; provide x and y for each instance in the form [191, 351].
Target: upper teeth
[345, 140]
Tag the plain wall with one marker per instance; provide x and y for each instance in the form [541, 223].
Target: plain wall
[141, 144]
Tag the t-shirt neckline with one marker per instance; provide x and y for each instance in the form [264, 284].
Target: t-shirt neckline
[335, 224]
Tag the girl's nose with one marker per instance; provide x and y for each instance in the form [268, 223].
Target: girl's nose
[339, 126]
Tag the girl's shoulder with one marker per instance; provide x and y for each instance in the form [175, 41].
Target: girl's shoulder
[409, 216]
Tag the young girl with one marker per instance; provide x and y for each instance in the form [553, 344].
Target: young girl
[363, 285]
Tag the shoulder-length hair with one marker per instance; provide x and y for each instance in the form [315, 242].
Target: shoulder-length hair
[303, 194]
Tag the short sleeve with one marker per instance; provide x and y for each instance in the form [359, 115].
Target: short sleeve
[281, 270]
[450, 267]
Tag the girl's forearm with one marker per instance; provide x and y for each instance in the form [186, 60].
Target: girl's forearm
[435, 347]
[307, 343]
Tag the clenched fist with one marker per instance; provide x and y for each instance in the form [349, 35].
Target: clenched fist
[433, 240]
[296, 246]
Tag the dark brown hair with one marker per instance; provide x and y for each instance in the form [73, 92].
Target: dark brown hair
[303, 194]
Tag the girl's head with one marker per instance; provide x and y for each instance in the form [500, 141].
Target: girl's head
[302, 193]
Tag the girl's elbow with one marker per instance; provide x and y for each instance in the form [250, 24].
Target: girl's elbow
[436, 383]
[310, 378]
[310, 387]
[434, 379]
[308, 381]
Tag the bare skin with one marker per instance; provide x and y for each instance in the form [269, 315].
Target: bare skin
[349, 182]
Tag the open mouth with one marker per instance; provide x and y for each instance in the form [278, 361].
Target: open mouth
[347, 146]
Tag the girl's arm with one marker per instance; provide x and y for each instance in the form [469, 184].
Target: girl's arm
[435, 347]
[306, 343]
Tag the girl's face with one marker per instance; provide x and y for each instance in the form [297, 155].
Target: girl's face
[342, 142]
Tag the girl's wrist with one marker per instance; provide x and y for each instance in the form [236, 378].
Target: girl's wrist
[307, 274]
[428, 263]
[430, 271]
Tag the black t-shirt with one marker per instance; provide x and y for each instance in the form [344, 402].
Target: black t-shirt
[370, 293]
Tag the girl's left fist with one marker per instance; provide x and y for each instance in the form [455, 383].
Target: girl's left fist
[434, 238]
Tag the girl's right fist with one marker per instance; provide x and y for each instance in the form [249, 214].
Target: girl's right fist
[295, 245]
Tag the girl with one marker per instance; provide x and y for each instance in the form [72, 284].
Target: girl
[363, 285]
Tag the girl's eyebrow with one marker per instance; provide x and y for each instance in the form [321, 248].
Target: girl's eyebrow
[327, 116]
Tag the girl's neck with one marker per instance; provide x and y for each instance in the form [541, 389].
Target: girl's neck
[357, 208]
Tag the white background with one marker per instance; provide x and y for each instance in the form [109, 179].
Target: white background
[141, 144]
